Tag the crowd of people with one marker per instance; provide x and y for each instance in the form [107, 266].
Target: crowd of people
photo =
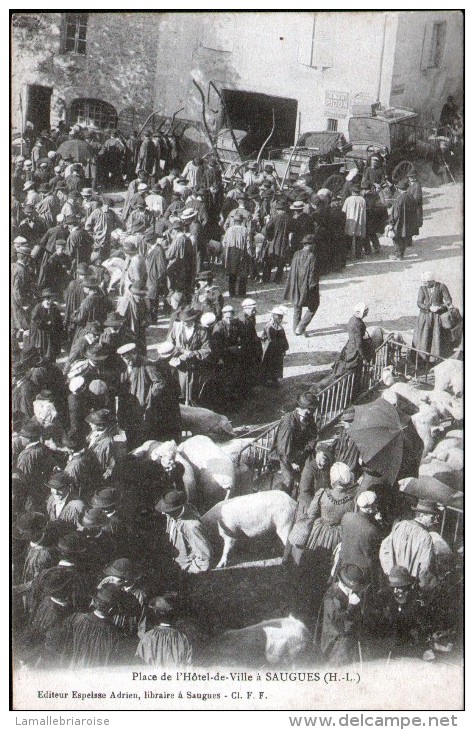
[106, 545]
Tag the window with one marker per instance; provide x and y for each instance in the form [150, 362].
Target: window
[74, 33]
[93, 112]
[438, 37]
[332, 125]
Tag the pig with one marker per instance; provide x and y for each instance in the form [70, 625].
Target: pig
[427, 418]
[213, 469]
[449, 376]
[234, 448]
[277, 641]
[252, 515]
[453, 457]
[202, 421]
[449, 405]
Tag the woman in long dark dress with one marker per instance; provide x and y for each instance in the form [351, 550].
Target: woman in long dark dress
[434, 300]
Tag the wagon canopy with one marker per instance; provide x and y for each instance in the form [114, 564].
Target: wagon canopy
[324, 143]
[388, 131]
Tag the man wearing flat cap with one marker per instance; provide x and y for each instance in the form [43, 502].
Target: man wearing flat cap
[411, 545]
[296, 440]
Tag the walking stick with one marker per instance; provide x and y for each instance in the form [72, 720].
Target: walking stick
[22, 125]
[361, 662]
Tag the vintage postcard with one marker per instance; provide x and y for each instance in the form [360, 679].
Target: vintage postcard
[237, 461]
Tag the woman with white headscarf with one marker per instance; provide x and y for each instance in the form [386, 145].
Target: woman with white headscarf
[434, 300]
[358, 348]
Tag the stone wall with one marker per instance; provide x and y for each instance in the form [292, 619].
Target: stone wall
[119, 66]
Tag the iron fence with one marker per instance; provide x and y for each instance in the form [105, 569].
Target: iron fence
[350, 387]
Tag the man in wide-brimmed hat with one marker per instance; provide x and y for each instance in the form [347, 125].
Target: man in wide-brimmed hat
[405, 619]
[69, 571]
[93, 307]
[339, 621]
[192, 352]
[164, 645]
[46, 327]
[185, 532]
[63, 504]
[104, 439]
[403, 219]
[302, 287]
[90, 639]
[410, 545]
[237, 254]
[182, 261]
[82, 466]
[277, 232]
[296, 439]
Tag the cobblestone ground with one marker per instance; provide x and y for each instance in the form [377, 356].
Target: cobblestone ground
[388, 287]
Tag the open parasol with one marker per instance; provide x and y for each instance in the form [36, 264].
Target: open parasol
[378, 433]
[78, 149]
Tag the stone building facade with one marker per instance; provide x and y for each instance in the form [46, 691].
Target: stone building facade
[310, 69]
[91, 67]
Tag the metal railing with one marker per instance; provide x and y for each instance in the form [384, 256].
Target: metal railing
[410, 362]
[452, 526]
[350, 387]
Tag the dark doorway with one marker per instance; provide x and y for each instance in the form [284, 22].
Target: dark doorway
[38, 109]
[253, 113]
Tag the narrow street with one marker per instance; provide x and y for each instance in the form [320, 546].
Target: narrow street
[388, 287]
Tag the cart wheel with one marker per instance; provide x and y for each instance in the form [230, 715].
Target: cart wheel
[334, 183]
[404, 168]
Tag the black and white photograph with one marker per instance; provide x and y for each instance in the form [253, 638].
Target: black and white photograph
[237, 347]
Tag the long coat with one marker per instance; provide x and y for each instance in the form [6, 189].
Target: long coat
[156, 266]
[336, 631]
[404, 216]
[237, 254]
[302, 287]
[23, 291]
[46, 330]
[277, 232]
[192, 369]
[429, 335]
